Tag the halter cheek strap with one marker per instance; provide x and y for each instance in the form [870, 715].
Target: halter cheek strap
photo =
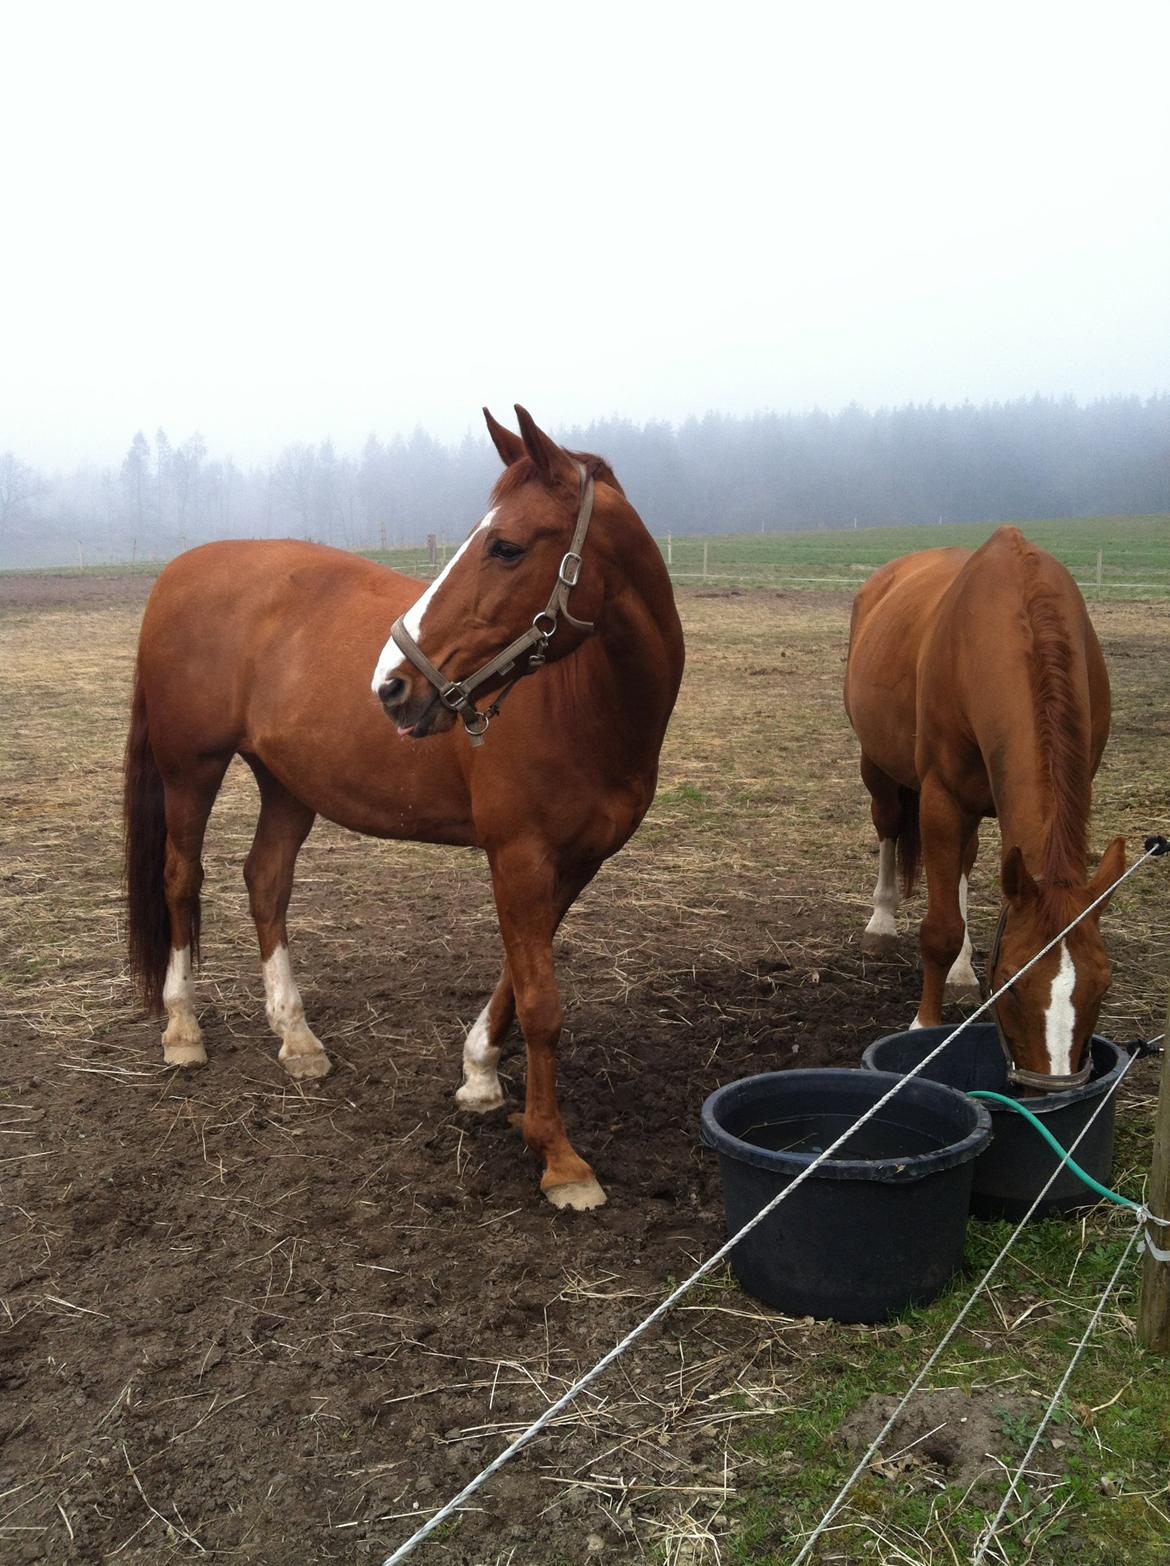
[1045, 1081]
[456, 695]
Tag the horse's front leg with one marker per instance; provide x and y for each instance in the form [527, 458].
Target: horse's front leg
[530, 900]
[946, 834]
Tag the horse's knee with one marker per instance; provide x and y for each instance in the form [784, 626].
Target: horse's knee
[942, 938]
[541, 1013]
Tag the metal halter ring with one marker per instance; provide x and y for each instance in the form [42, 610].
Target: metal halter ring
[543, 631]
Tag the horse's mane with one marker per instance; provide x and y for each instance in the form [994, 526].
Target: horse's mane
[523, 471]
[1062, 731]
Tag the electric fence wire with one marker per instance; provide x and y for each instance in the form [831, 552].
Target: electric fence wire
[1154, 847]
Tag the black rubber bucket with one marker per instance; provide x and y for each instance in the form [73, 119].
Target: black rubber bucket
[878, 1227]
[1012, 1170]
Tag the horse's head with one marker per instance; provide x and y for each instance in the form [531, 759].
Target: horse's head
[1048, 1016]
[509, 582]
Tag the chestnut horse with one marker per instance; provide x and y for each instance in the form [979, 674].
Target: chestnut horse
[976, 686]
[266, 650]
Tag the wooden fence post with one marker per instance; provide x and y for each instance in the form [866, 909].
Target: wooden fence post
[1154, 1301]
[670, 549]
[1099, 561]
[704, 560]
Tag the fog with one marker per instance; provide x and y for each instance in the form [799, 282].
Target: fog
[269, 227]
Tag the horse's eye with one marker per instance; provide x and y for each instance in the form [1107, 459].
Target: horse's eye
[503, 550]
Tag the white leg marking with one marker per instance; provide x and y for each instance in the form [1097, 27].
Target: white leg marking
[391, 657]
[183, 1041]
[481, 1089]
[962, 974]
[917, 1023]
[885, 893]
[1060, 1017]
[301, 1052]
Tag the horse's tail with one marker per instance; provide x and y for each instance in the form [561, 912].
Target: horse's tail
[909, 851]
[145, 838]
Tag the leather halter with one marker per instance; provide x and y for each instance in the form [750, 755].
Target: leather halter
[456, 695]
[1046, 1082]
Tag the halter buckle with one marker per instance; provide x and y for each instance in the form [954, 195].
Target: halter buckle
[454, 697]
[570, 572]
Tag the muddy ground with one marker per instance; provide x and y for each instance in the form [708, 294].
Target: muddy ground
[246, 1321]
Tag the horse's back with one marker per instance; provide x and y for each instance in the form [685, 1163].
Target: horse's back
[893, 614]
[241, 638]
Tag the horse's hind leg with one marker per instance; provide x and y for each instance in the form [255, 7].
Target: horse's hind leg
[188, 804]
[283, 826]
[480, 1090]
[885, 808]
[962, 982]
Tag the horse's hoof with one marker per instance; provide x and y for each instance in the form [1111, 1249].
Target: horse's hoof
[306, 1068]
[874, 945]
[580, 1195]
[478, 1103]
[187, 1052]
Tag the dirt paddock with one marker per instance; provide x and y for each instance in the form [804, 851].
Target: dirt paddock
[244, 1321]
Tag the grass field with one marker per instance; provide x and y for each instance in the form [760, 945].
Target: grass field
[1135, 553]
[298, 1321]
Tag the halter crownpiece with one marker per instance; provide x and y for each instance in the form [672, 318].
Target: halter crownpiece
[456, 695]
[1047, 1082]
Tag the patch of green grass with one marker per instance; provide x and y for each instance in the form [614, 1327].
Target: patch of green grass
[1107, 1499]
[1133, 550]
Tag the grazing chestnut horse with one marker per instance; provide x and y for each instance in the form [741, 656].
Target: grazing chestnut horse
[266, 650]
[976, 686]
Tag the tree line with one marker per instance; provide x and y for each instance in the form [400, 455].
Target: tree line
[769, 472]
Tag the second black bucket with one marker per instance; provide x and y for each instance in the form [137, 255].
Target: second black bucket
[879, 1226]
[1012, 1170]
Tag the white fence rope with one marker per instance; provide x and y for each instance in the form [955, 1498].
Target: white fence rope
[550, 1413]
[990, 1531]
[875, 1445]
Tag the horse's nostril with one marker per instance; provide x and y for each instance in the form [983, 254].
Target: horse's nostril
[391, 691]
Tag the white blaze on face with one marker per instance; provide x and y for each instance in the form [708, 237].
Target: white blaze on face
[391, 657]
[1060, 1017]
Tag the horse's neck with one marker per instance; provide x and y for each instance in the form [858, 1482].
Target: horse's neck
[1041, 786]
[634, 662]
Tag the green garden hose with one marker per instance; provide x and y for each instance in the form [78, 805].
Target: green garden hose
[1094, 1185]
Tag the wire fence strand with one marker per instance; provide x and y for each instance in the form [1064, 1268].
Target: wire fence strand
[569, 1396]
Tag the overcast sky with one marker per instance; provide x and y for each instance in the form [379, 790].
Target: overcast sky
[277, 222]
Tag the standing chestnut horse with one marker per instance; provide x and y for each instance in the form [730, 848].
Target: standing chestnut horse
[976, 687]
[266, 650]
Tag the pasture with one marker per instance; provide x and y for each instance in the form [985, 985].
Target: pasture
[247, 1320]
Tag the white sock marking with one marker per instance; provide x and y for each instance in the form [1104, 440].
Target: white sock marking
[178, 987]
[1060, 1017]
[286, 1012]
[962, 973]
[391, 657]
[481, 1084]
[885, 893]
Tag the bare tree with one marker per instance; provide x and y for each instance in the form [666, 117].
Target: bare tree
[18, 485]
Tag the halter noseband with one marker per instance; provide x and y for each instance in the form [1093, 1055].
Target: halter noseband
[1046, 1082]
[456, 695]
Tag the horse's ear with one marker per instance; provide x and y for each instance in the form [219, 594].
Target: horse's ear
[1112, 865]
[509, 446]
[547, 457]
[1018, 885]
